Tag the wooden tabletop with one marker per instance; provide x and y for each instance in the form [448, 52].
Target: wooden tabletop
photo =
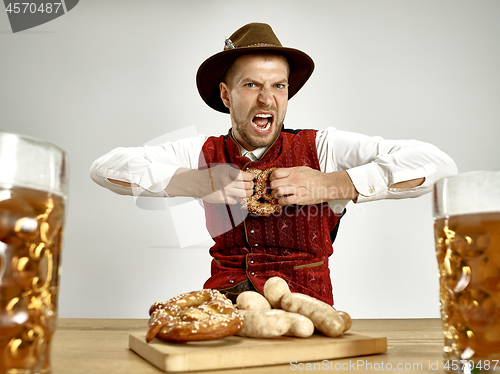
[90, 346]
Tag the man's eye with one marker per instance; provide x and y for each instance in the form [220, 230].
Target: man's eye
[280, 85]
[250, 85]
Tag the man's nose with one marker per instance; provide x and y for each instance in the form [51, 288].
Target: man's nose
[266, 96]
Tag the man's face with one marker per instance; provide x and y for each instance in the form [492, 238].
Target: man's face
[256, 93]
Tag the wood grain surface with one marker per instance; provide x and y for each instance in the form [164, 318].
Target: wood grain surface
[101, 346]
[236, 351]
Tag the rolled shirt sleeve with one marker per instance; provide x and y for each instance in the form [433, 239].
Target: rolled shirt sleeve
[148, 167]
[374, 164]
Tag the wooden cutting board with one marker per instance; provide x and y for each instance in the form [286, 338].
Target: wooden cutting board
[235, 351]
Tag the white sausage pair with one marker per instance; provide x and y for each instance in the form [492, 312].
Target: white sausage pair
[299, 316]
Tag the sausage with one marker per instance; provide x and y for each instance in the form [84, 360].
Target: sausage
[265, 323]
[347, 320]
[274, 289]
[251, 300]
[325, 318]
[302, 327]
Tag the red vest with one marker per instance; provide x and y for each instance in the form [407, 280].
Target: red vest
[294, 245]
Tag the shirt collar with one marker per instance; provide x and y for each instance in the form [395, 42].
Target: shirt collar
[258, 152]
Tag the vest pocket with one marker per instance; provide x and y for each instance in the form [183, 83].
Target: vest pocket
[312, 264]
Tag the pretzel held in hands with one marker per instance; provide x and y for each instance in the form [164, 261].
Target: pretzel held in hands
[261, 202]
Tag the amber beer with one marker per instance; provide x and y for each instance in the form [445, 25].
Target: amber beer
[30, 246]
[468, 256]
[33, 193]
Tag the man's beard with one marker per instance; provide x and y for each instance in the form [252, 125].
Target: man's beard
[255, 140]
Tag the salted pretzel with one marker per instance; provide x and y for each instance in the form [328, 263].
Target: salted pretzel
[193, 316]
[261, 202]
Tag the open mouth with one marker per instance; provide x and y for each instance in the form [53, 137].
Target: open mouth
[262, 121]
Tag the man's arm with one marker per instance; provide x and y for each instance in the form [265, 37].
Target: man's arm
[123, 184]
[220, 184]
[361, 168]
[303, 185]
[146, 170]
[409, 184]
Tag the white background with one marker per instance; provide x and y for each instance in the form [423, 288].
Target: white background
[122, 73]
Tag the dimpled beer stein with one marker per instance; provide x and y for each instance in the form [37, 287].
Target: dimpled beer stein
[467, 236]
[33, 193]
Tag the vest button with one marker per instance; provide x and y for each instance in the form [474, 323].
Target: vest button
[256, 245]
[252, 261]
[252, 231]
[231, 281]
[252, 273]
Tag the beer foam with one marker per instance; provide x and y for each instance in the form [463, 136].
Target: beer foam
[467, 193]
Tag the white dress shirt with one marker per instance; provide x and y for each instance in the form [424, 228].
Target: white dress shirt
[373, 164]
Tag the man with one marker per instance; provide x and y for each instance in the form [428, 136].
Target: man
[317, 173]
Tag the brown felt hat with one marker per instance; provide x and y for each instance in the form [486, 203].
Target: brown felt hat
[251, 38]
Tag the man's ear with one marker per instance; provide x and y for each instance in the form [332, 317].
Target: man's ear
[224, 94]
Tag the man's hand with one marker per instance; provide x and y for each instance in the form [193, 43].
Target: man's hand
[227, 183]
[304, 186]
[219, 184]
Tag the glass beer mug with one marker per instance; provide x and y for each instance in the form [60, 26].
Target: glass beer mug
[467, 236]
[33, 193]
